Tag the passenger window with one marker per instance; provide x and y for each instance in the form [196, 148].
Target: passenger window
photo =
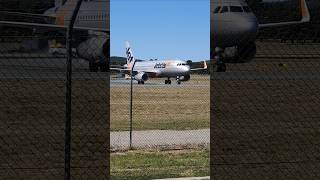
[246, 9]
[217, 10]
[224, 9]
[235, 9]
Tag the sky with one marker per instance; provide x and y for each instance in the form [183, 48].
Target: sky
[161, 29]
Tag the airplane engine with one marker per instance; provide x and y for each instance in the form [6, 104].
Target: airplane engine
[240, 54]
[247, 51]
[141, 76]
[184, 78]
[96, 51]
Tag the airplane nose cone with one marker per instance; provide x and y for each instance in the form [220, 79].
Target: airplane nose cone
[233, 30]
[246, 29]
[187, 68]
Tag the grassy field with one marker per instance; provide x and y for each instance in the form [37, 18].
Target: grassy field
[163, 164]
[162, 107]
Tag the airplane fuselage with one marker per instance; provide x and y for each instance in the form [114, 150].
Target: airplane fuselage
[232, 23]
[163, 68]
[92, 14]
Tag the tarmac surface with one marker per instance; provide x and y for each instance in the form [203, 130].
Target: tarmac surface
[153, 139]
[264, 115]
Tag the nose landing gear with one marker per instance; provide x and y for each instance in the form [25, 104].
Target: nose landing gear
[178, 80]
[167, 81]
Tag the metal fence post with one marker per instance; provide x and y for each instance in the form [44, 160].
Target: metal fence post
[68, 93]
[131, 89]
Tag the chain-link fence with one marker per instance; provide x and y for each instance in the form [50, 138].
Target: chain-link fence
[265, 113]
[33, 90]
[164, 116]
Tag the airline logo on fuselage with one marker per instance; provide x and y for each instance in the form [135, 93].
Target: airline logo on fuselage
[159, 65]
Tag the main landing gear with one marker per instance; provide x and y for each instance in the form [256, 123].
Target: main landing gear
[221, 66]
[140, 82]
[168, 81]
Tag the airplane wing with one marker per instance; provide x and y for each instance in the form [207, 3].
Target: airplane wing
[304, 13]
[48, 26]
[125, 70]
[198, 69]
[27, 15]
[128, 71]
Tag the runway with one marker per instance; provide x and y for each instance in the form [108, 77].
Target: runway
[156, 83]
[42, 68]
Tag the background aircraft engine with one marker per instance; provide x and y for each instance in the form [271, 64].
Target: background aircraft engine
[96, 51]
[141, 76]
[240, 54]
[185, 77]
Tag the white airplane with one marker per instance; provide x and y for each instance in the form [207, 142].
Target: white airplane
[234, 28]
[92, 23]
[143, 70]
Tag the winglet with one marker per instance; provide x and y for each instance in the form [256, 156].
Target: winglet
[205, 65]
[305, 14]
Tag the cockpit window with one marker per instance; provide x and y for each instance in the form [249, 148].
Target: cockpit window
[236, 9]
[224, 9]
[246, 9]
[217, 10]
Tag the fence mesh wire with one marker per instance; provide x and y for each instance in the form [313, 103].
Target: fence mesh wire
[32, 106]
[164, 116]
[264, 113]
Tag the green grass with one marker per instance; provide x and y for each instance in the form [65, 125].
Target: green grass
[185, 107]
[163, 164]
[166, 107]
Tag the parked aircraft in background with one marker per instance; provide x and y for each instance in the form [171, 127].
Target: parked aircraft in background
[234, 28]
[92, 28]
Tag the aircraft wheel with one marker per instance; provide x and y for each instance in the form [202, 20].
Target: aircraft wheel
[169, 81]
[178, 82]
[142, 82]
[221, 67]
[165, 81]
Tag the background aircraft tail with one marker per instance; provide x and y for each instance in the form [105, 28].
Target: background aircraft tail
[58, 3]
[130, 58]
[65, 9]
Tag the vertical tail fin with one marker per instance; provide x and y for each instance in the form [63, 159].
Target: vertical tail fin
[58, 3]
[130, 58]
[64, 12]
